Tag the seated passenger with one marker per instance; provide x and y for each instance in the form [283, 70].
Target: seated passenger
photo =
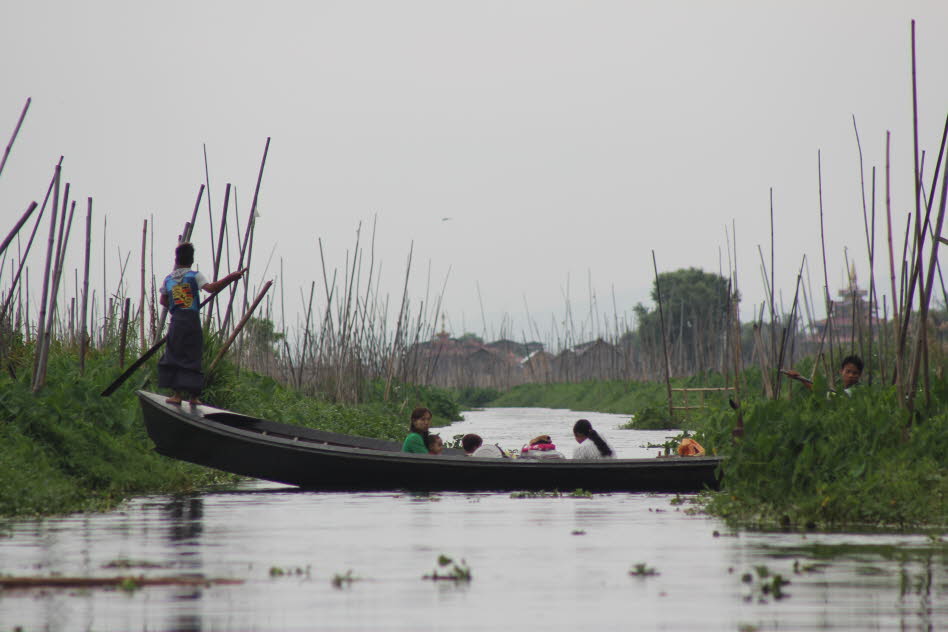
[492, 451]
[541, 447]
[591, 444]
[417, 431]
[434, 444]
[470, 443]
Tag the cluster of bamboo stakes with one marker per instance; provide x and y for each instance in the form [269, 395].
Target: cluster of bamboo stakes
[896, 350]
[336, 351]
[348, 336]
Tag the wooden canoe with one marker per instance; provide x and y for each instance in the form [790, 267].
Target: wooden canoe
[315, 459]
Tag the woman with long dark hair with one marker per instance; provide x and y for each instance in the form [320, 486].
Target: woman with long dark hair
[418, 431]
[591, 444]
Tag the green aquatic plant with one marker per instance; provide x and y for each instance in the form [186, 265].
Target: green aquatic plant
[277, 571]
[643, 570]
[126, 563]
[129, 584]
[765, 585]
[342, 580]
[536, 494]
[581, 493]
[450, 570]
[799, 568]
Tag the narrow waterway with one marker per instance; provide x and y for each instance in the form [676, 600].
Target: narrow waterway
[555, 563]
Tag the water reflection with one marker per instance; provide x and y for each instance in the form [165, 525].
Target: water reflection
[184, 516]
[556, 563]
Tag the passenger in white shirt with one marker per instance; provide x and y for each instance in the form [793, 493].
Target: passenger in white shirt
[591, 444]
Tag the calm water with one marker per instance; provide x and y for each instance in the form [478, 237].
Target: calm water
[548, 563]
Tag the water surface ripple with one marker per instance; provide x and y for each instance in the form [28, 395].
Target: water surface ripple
[553, 563]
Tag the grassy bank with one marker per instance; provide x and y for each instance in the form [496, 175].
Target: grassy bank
[68, 449]
[646, 403]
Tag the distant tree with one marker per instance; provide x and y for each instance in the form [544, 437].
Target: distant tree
[261, 335]
[694, 306]
[469, 337]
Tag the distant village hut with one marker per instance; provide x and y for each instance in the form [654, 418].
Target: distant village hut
[538, 367]
[598, 360]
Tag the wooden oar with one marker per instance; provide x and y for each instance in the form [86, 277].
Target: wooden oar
[798, 377]
[111, 388]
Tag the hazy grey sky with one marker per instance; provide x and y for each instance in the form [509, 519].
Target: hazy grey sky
[565, 140]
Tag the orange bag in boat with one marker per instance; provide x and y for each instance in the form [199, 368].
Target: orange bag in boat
[690, 447]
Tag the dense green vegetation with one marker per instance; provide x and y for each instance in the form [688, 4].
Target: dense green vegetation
[67, 448]
[813, 461]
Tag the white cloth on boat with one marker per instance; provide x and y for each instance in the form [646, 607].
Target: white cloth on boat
[492, 451]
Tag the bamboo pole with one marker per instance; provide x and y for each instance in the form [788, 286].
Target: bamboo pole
[16, 131]
[141, 294]
[217, 258]
[106, 306]
[827, 298]
[249, 232]
[40, 332]
[57, 275]
[888, 211]
[661, 319]
[16, 229]
[775, 376]
[22, 264]
[918, 196]
[873, 296]
[788, 331]
[210, 208]
[240, 326]
[123, 333]
[83, 338]
[189, 227]
[925, 299]
[309, 314]
[398, 328]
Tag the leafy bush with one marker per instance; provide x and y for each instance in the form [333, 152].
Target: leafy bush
[652, 418]
[817, 461]
[475, 396]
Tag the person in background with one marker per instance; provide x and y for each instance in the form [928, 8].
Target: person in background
[179, 368]
[541, 447]
[418, 431]
[591, 444]
[850, 372]
[434, 444]
[470, 443]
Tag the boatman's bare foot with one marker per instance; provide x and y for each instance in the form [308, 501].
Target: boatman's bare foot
[174, 399]
[195, 401]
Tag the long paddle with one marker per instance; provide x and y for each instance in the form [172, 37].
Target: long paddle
[111, 388]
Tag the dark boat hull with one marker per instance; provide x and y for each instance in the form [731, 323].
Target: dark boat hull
[327, 461]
